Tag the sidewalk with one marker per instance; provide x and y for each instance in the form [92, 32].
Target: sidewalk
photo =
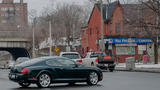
[139, 67]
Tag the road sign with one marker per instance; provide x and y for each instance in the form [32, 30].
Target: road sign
[56, 49]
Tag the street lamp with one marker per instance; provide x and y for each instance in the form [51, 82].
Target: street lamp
[102, 46]
[33, 36]
[50, 34]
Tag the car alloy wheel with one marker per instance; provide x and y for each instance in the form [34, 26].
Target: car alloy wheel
[92, 78]
[44, 80]
[24, 84]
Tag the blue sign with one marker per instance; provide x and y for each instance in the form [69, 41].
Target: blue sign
[128, 41]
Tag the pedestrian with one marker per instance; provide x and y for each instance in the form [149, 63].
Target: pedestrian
[145, 58]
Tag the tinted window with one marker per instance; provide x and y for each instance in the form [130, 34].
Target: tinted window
[71, 56]
[65, 61]
[53, 63]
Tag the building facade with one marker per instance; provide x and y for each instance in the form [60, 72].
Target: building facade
[119, 38]
[13, 16]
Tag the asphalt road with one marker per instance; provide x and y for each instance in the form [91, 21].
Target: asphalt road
[112, 81]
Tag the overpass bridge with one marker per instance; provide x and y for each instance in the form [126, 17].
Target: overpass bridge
[16, 43]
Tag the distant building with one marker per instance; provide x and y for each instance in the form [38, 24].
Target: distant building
[13, 16]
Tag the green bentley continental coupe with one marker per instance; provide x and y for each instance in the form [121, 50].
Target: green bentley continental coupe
[44, 71]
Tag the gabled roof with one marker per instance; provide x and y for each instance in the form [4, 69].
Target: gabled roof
[108, 10]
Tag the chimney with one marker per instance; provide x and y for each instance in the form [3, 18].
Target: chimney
[21, 1]
[7, 1]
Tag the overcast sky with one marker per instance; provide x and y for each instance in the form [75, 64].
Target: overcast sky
[40, 4]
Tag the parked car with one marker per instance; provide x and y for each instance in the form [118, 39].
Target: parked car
[10, 63]
[44, 71]
[21, 60]
[72, 55]
[99, 59]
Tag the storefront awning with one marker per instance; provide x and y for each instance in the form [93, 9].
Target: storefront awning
[128, 41]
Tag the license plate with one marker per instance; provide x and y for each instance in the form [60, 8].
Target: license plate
[106, 65]
[13, 76]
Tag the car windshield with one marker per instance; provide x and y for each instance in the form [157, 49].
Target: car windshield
[30, 62]
[71, 56]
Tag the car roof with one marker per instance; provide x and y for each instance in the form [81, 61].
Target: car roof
[69, 52]
[48, 57]
[96, 52]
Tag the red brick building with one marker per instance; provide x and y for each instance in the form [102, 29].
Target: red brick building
[13, 16]
[119, 39]
[91, 33]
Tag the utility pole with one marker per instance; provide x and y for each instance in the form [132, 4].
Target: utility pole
[33, 36]
[102, 46]
[50, 37]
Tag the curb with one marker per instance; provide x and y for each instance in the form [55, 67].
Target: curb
[141, 70]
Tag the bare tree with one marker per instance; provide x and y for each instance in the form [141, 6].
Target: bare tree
[71, 20]
[144, 20]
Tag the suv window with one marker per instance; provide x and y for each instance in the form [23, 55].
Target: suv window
[96, 54]
[71, 55]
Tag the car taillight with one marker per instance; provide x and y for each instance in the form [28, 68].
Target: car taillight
[97, 60]
[25, 71]
[107, 57]
[79, 61]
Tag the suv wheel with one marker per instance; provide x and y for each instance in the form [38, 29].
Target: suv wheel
[92, 78]
[44, 80]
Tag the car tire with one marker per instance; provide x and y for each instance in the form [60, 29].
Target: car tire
[44, 80]
[92, 78]
[92, 64]
[22, 84]
[71, 84]
[111, 70]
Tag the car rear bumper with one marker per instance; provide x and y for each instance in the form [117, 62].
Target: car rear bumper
[17, 77]
[105, 66]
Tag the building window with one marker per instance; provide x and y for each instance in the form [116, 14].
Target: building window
[11, 9]
[4, 15]
[117, 28]
[110, 28]
[17, 14]
[4, 9]
[17, 8]
[11, 14]
[124, 50]
[4, 21]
